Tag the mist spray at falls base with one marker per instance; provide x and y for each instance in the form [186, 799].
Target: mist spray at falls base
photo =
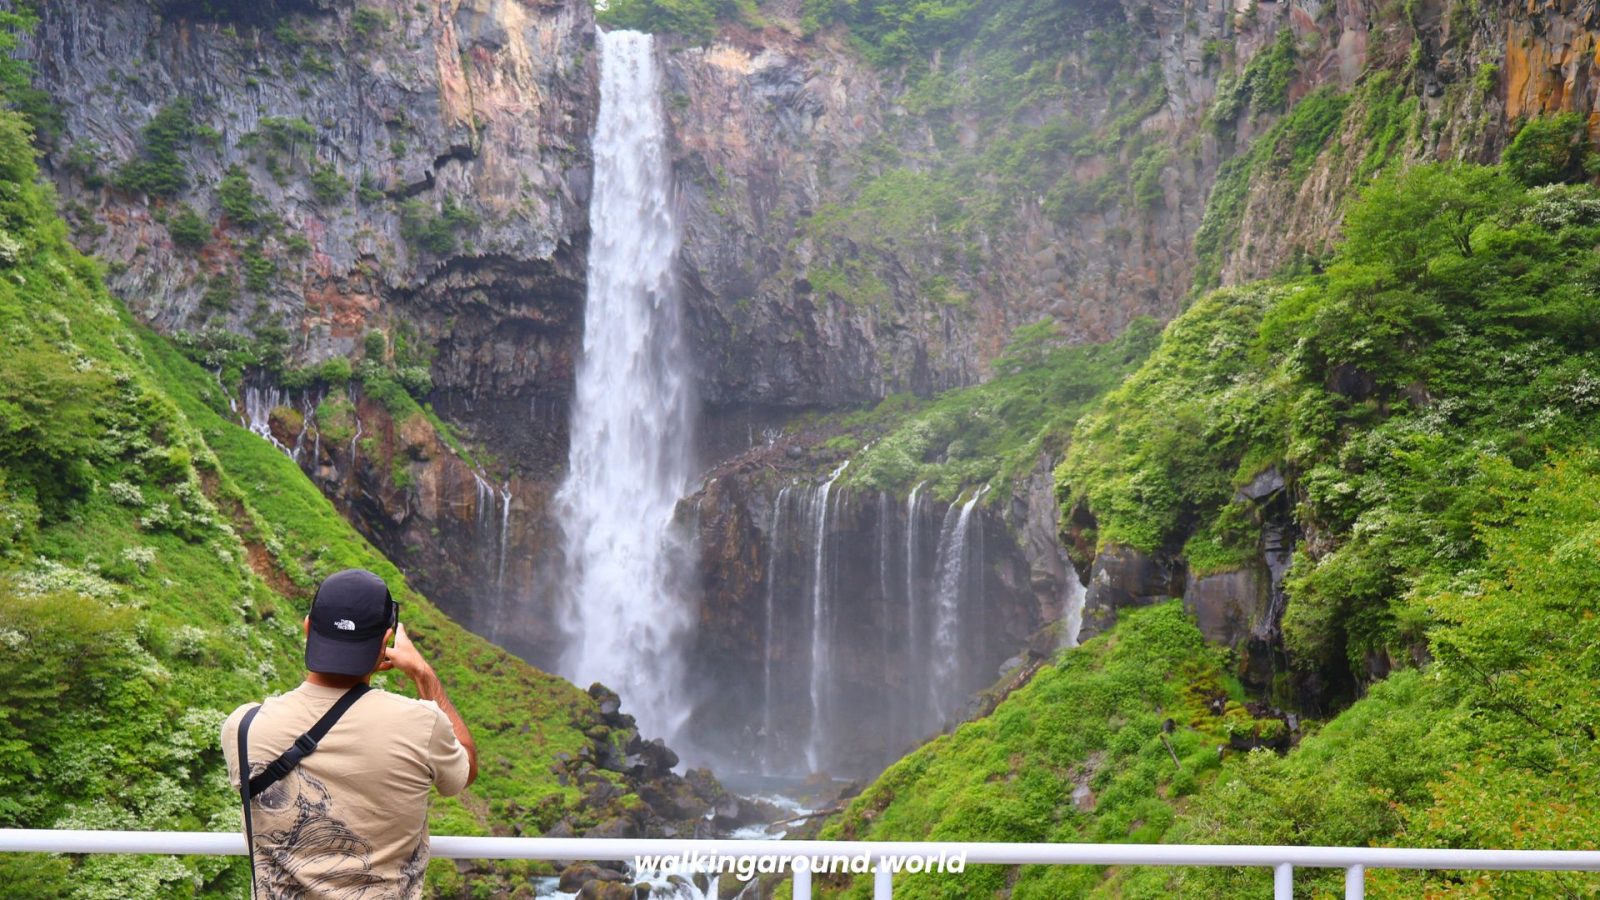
[631, 448]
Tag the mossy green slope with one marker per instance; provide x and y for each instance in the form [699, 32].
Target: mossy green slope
[155, 562]
[1091, 723]
[1430, 401]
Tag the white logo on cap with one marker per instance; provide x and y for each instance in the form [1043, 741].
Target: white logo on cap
[344, 625]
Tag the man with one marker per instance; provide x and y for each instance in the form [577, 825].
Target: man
[349, 821]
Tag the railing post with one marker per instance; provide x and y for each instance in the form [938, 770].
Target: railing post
[882, 882]
[802, 882]
[1355, 883]
[1283, 882]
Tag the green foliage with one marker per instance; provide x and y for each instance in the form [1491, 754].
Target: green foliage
[894, 31]
[435, 233]
[82, 160]
[368, 191]
[1262, 87]
[288, 134]
[1548, 149]
[368, 22]
[995, 432]
[329, 186]
[1451, 336]
[1092, 722]
[696, 20]
[260, 272]
[1286, 150]
[1403, 223]
[187, 228]
[240, 202]
[158, 170]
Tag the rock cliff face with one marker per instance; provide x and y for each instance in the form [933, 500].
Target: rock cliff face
[416, 169]
[840, 627]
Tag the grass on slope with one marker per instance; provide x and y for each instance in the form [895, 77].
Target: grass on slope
[155, 561]
[1094, 722]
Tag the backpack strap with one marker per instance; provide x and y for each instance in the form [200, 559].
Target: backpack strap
[303, 746]
[244, 792]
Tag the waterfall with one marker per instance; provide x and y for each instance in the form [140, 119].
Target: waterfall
[633, 410]
[952, 576]
[821, 581]
[914, 650]
[768, 726]
[259, 403]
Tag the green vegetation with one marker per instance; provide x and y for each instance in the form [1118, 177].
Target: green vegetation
[1287, 151]
[996, 432]
[329, 186]
[240, 202]
[155, 560]
[158, 170]
[368, 22]
[1078, 754]
[696, 20]
[187, 228]
[437, 233]
[1550, 149]
[1455, 330]
[1003, 69]
[1430, 400]
[1262, 87]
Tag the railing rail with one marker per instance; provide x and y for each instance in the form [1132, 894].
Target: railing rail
[1282, 860]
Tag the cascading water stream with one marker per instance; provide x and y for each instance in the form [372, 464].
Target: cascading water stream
[768, 726]
[952, 573]
[914, 506]
[630, 457]
[820, 583]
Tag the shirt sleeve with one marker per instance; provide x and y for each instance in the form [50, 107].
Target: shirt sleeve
[446, 757]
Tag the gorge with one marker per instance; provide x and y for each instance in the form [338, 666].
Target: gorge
[816, 377]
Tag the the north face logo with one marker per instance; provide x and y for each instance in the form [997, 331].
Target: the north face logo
[344, 625]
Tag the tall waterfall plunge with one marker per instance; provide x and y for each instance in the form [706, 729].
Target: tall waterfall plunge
[630, 458]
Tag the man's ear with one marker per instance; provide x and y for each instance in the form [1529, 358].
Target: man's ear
[305, 627]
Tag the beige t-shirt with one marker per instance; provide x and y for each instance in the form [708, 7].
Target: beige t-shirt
[351, 821]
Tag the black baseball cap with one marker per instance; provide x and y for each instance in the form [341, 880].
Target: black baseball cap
[349, 616]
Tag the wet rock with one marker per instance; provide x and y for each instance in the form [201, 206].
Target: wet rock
[575, 876]
[1229, 607]
[1124, 577]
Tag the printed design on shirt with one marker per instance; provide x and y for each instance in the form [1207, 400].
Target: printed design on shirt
[317, 853]
[411, 873]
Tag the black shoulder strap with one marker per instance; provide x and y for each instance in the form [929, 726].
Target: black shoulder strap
[244, 792]
[305, 744]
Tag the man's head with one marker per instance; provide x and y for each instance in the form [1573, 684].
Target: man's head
[349, 624]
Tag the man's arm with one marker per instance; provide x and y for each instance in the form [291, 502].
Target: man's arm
[404, 656]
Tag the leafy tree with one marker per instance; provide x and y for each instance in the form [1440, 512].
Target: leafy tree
[328, 185]
[240, 202]
[187, 228]
[158, 170]
[1548, 149]
[1403, 220]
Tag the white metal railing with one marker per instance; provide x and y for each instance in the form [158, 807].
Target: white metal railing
[1282, 860]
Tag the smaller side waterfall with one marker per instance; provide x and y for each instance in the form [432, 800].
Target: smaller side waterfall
[769, 657]
[821, 639]
[954, 575]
